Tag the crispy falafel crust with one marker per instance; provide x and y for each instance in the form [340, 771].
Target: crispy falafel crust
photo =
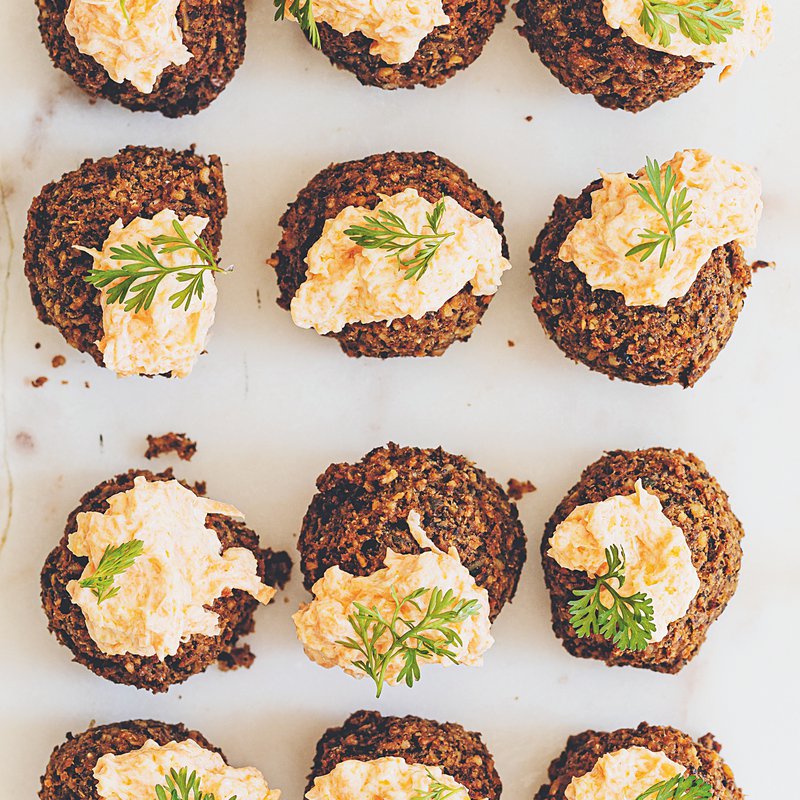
[574, 41]
[367, 735]
[700, 758]
[79, 209]
[69, 774]
[643, 344]
[235, 609]
[443, 52]
[358, 183]
[214, 33]
[691, 499]
[361, 510]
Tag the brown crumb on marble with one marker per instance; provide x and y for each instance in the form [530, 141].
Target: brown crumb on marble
[529, 118]
[37, 345]
[512, 343]
[518, 489]
[58, 361]
[236, 658]
[87, 384]
[64, 383]
[200, 488]
[38, 382]
[178, 443]
[757, 265]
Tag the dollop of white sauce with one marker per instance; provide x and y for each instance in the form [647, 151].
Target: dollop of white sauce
[726, 206]
[137, 47]
[165, 596]
[658, 560]
[346, 283]
[322, 624]
[134, 775]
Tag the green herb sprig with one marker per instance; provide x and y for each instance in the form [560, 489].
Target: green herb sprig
[183, 785]
[141, 273]
[124, 7]
[436, 790]
[702, 21]
[628, 621]
[114, 561]
[433, 635]
[387, 231]
[304, 14]
[672, 206]
[681, 787]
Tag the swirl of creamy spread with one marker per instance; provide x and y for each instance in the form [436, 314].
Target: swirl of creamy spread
[658, 560]
[396, 27]
[389, 778]
[725, 206]
[322, 623]
[749, 40]
[623, 775]
[346, 283]
[160, 339]
[134, 775]
[137, 47]
[165, 596]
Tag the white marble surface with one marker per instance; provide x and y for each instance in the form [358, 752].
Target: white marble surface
[272, 405]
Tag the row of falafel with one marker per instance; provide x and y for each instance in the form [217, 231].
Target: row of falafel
[641, 277]
[176, 56]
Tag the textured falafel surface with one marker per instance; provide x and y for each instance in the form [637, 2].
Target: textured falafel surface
[367, 735]
[362, 509]
[443, 52]
[235, 609]
[80, 207]
[643, 344]
[69, 774]
[700, 758]
[359, 183]
[692, 500]
[574, 41]
[213, 31]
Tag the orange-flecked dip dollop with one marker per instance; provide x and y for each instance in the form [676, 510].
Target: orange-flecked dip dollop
[389, 778]
[346, 283]
[623, 775]
[658, 560]
[748, 40]
[322, 624]
[135, 41]
[725, 206]
[134, 775]
[160, 339]
[165, 597]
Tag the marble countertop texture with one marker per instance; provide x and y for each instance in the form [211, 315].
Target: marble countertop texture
[271, 405]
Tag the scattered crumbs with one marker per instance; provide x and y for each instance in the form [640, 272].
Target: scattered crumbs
[285, 599]
[37, 382]
[200, 488]
[87, 384]
[101, 441]
[512, 343]
[258, 297]
[24, 441]
[38, 345]
[64, 383]
[518, 489]
[235, 658]
[529, 118]
[757, 265]
[58, 361]
[178, 443]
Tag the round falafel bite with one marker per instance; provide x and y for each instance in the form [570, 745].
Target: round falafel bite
[152, 582]
[396, 254]
[399, 45]
[121, 257]
[642, 277]
[640, 558]
[129, 760]
[417, 535]
[172, 56]
[639, 764]
[414, 756]
[630, 54]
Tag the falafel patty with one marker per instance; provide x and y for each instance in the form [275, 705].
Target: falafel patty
[643, 344]
[443, 52]
[69, 774]
[214, 33]
[235, 609]
[692, 500]
[588, 56]
[700, 758]
[80, 207]
[367, 735]
[362, 509]
[359, 183]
